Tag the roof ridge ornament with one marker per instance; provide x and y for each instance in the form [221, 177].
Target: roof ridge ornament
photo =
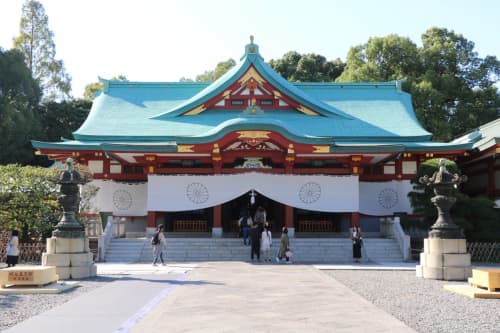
[251, 50]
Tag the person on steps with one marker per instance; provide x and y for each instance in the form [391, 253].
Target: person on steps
[159, 243]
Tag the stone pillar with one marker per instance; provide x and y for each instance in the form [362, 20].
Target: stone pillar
[217, 218]
[289, 221]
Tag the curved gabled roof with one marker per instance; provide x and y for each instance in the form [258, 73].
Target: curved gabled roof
[250, 59]
[146, 112]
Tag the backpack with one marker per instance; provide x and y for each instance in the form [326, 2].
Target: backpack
[156, 239]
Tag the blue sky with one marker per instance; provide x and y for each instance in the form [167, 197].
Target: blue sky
[155, 40]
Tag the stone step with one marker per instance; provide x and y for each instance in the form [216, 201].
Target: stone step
[201, 249]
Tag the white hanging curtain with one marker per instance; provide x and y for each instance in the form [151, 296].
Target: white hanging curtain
[123, 199]
[385, 198]
[319, 193]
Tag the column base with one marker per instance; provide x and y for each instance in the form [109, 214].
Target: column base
[216, 232]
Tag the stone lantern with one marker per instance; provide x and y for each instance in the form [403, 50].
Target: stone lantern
[445, 254]
[68, 248]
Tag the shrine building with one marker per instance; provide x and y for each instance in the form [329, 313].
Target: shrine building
[319, 157]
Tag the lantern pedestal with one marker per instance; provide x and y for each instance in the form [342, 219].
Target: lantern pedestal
[444, 259]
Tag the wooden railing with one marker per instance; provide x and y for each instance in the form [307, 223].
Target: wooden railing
[28, 252]
[316, 226]
[190, 226]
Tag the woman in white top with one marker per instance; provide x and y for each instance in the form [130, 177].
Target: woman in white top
[13, 249]
[265, 244]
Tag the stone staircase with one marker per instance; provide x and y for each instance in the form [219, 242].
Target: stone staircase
[306, 250]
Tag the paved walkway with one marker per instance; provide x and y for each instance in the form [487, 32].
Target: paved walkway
[216, 297]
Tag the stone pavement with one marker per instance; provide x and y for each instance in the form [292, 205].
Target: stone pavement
[216, 297]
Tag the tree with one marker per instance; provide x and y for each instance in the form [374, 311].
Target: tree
[37, 45]
[28, 200]
[463, 83]
[381, 59]
[93, 88]
[221, 69]
[307, 68]
[453, 89]
[19, 96]
[61, 119]
[477, 216]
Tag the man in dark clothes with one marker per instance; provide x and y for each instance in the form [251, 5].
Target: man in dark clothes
[255, 239]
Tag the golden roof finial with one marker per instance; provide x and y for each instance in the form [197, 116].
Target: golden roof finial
[251, 39]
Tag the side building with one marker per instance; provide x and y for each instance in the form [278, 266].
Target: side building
[319, 157]
[482, 166]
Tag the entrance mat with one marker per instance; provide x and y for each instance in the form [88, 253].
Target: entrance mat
[53, 288]
[471, 291]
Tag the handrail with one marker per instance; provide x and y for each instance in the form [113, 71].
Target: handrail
[105, 238]
[402, 238]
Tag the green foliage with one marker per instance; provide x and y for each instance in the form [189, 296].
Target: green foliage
[91, 89]
[477, 216]
[19, 96]
[307, 68]
[220, 69]
[61, 119]
[28, 200]
[36, 43]
[453, 89]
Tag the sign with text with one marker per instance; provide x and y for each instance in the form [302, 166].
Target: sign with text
[20, 276]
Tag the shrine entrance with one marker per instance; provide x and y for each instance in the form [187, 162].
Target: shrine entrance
[231, 210]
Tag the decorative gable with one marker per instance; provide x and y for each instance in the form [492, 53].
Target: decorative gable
[255, 87]
[250, 90]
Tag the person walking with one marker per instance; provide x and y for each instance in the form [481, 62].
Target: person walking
[255, 242]
[12, 250]
[245, 225]
[159, 243]
[357, 242]
[284, 246]
[266, 242]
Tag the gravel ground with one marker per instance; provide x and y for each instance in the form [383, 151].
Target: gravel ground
[17, 308]
[423, 304]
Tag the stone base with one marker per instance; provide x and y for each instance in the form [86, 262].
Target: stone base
[216, 232]
[67, 245]
[70, 257]
[28, 275]
[444, 259]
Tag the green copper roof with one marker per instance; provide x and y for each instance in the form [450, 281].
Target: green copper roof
[140, 114]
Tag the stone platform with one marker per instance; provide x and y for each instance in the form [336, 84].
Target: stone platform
[444, 259]
[28, 276]
[71, 257]
[472, 292]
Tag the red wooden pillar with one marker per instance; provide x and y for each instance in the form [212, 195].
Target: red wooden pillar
[399, 168]
[355, 219]
[151, 219]
[289, 216]
[217, 216]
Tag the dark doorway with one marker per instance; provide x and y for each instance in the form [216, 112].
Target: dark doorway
[231, 212]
